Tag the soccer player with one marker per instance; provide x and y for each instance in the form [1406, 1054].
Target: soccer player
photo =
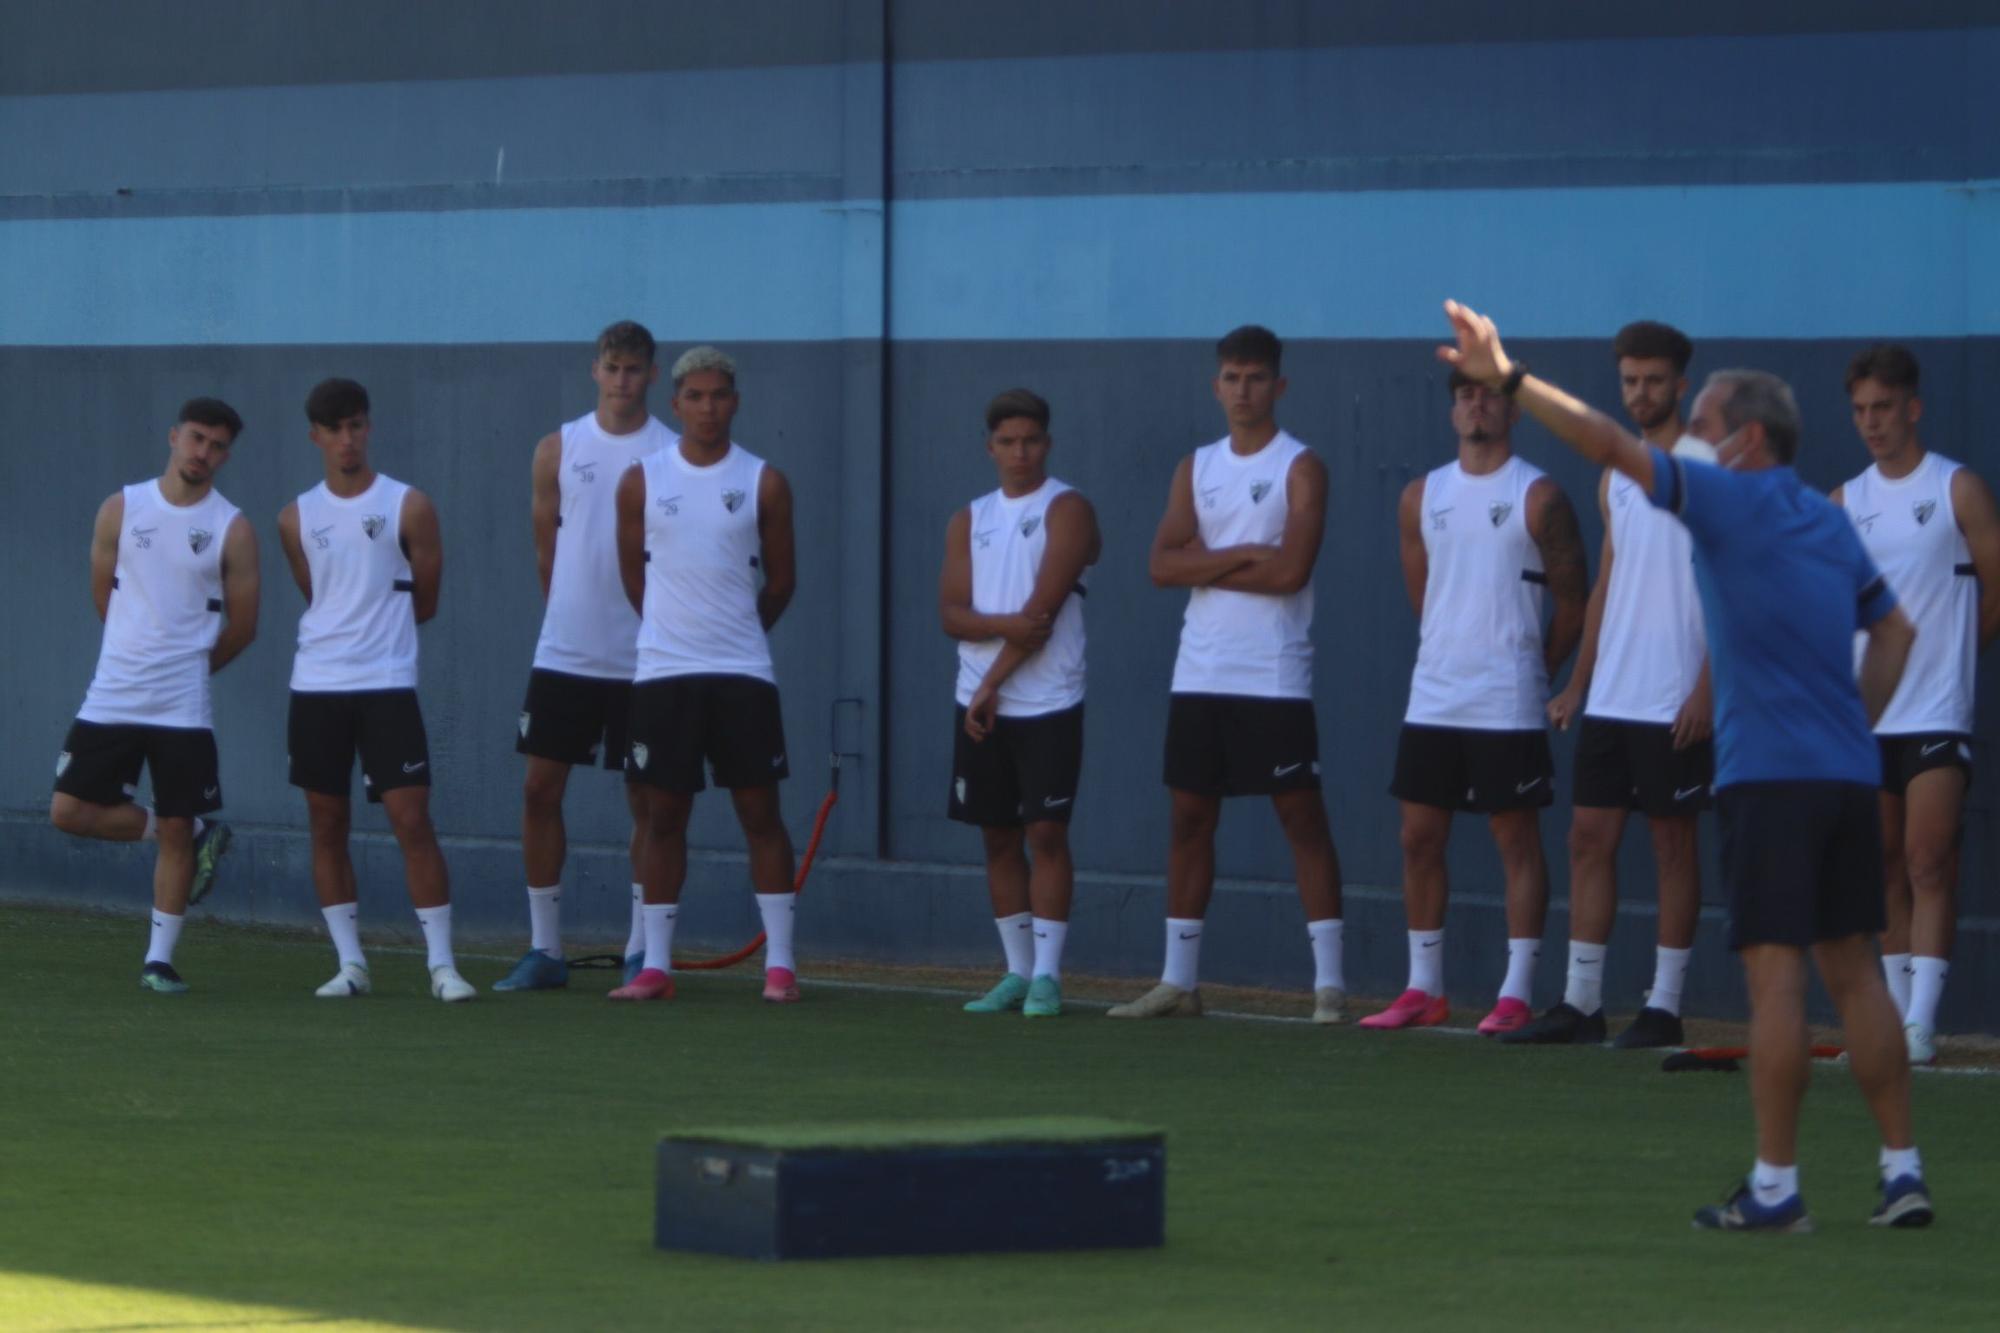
[365, 551]
[1644, 744]
[173, 574]
[580, 687]
[697, 524]
[1011, 593]
[1242, 529]
[1784, 584]
[1929, 525]
[1481, 537]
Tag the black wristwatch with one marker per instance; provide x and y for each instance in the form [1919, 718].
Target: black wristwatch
[1514, 378]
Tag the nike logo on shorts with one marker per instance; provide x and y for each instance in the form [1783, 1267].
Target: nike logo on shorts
[1682, 793]
[1053, 804]
[1282, 769]
[1932, 749]
[1523, 788]
[412, 768]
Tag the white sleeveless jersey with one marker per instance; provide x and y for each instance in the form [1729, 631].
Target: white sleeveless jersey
[588, 628]
[360, 632]
[702, 558]
[1249, 643]
[1651, 642]
[1911, 532]
[165, 612]
[1479, 657]
[1008, 538]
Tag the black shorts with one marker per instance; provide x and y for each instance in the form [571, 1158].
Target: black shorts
[1903, 757]
[327, 729]
[1025, 770]
[100, 763]
[1241, 745]
[1634, 766]
[574, 719]
[732, 722]
[1462, 768]
[1801, 861]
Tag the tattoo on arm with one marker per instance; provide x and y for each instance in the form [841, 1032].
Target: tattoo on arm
[1562, 551]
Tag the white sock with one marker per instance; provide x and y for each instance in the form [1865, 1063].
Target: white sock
[1772, 1185]
[1896, 971]
[1927, 976]
[1901, 1162]
[1049, 937]
[1520, 982]
[1017, 941]
[343, 925]
[635, 938]
[657, 921]
[436, 922]
[166, 934]
[778, 911]
[1670, 968]
[545, 919]
[1325, 937]
[1583, 987]
[1427, 961]
[152, 833]
[1183, 967]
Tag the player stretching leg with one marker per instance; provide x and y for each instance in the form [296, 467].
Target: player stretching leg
[173, 572]
[696, 524]
[1012, 594]
[1644, 744]
[365, 551]
[1481, 537]
[580, 688]
[1242, 529]
[1785, 583]
[1929, 525]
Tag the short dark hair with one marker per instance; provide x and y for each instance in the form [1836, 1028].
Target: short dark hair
[628, 336]
[1017, 403]
[334, 401]
[1647, 338]
[211, 412]
[1888, 364]
[1457, 380]
[1253, 343]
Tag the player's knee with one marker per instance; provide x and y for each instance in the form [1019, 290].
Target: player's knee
[1191, 824]
[411, 824]
[1929, 870]
[1518, 839]
[67, 814]
[666, 818]
[542, 793]
[328, 823]
[1674, 844]
[1302, 818]
[1421, 841]
[1048, 839]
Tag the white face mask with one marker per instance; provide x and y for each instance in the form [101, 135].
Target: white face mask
[1690, 446]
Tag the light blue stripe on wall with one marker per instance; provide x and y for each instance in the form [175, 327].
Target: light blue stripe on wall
[1892, 260]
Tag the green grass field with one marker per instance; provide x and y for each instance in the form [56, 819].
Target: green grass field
[248, 1156]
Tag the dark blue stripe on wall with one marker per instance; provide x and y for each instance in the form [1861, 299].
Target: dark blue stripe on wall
[53, 46]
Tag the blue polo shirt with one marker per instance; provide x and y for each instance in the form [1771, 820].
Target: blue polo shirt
[1784, 584]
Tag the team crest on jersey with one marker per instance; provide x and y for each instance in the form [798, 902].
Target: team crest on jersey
[1923, 510]
[320, 537]
[144, 537]
[640, 754]
[1258, 490]
[670, 505]
[372, 524]
[199, 538]
[585, 472]
[1437, 518]
[62, 763]
[1029, 524]
[984, 539]
[732, 500]
[1498, 511]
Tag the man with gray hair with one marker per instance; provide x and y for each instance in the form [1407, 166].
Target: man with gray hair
[1784, 585]
[697, 524]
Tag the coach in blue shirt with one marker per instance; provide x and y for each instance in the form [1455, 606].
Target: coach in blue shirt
[1784, 584]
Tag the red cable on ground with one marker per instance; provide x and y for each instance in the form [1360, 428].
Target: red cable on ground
[798, 885]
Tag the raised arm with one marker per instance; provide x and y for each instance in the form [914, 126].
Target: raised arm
[780, 555]
[1972, 502]
[1410, 546]
[295, 552]
[1178, 559]
[1291, 568]
[1072, 544]
[1568, 705]
[631, 537]
[1582, 427]
[1552, 520]
[104, 551]
[545, 509]
[423, 547]
[240, 587]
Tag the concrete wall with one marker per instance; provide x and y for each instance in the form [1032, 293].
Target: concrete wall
[889, 212]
